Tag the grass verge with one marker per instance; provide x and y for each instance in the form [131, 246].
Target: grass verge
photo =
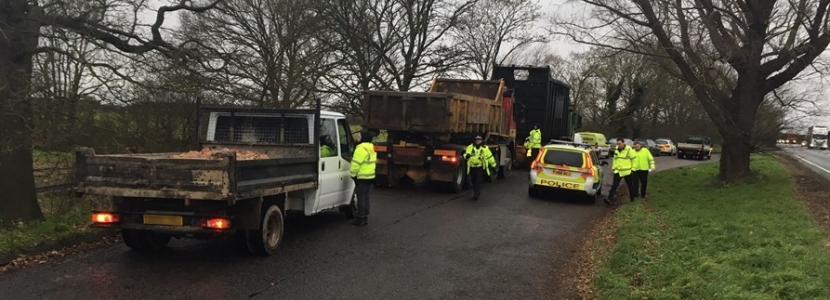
[61, 228]
[697, 240]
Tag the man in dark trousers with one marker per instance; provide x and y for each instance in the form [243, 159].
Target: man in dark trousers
[480, 161]
[643, 165]
[363, 173]
[623, 166]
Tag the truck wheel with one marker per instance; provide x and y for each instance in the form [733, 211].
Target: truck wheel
[134, 239]
[504, 170]
[350, 210]
[494, 174]
[268, 238]
[459, 182]
[144, 240]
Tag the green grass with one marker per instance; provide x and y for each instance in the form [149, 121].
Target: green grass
[696, 239]
[69, 223]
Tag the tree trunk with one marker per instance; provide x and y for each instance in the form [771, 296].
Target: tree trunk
[18, 199]
[734, 160]
[741, 109]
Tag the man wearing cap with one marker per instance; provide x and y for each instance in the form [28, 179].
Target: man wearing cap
[479, 162]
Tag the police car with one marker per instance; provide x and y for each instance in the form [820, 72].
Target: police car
[567, 166]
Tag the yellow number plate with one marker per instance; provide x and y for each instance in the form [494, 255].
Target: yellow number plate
[163, 220]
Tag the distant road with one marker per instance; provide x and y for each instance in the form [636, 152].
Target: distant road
[817, 160]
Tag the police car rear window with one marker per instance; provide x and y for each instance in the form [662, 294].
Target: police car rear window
[568, 158]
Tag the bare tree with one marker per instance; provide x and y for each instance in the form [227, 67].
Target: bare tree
[492, 26]
[113, 25]
[418, 28]
[732, 53]
[360, 42]
[271, 50]
[60, 83]
[388, 44]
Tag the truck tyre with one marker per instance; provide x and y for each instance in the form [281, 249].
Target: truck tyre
[142, 240]
[268, 238]
[350, 210]
[504, 170]
[459, 182]
[133, 239]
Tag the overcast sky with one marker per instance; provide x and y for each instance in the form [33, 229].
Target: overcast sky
[816, 88]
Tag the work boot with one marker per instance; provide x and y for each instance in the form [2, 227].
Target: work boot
[360, 222]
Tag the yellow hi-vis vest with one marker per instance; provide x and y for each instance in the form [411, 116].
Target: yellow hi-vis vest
[624, 161]
[364, 161]
[536, 138]
[644, 161]
[478, 157]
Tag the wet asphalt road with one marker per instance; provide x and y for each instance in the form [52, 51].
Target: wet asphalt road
[817, 160]
[419, 244]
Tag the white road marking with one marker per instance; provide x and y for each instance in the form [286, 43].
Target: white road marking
[811, 163]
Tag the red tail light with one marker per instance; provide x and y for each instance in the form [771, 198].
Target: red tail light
[104, 218]
[589, 165]
[217, 223]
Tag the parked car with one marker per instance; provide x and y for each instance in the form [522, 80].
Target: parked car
[695, 146]
[613, 141]
[650, 145]
[666, 146]
[569, 167]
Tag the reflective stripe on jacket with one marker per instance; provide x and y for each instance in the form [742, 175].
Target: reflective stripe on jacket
[624, 160]
[364, 161]
[644, 161]
[478, 156]
[535, 138]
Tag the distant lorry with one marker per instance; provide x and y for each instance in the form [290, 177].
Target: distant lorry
[817, 137]
[695, 146]
[539, 99]
[428, 132]
[254, 165]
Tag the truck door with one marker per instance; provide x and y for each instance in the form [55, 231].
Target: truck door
[330, 189]
[347, 146]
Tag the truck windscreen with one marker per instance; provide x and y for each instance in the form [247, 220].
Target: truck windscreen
[820, 136]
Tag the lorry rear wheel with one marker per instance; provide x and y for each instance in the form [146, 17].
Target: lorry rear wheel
[459, 182]
[133, 239]
[268, 238]
[143, 240]
[503, 170]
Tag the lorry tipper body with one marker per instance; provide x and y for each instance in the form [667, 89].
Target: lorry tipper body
[817, 137]
[223, 190]
[695, 147]
[539, 99]
[428, 132]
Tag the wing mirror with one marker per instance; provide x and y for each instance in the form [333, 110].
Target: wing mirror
[603, 163]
